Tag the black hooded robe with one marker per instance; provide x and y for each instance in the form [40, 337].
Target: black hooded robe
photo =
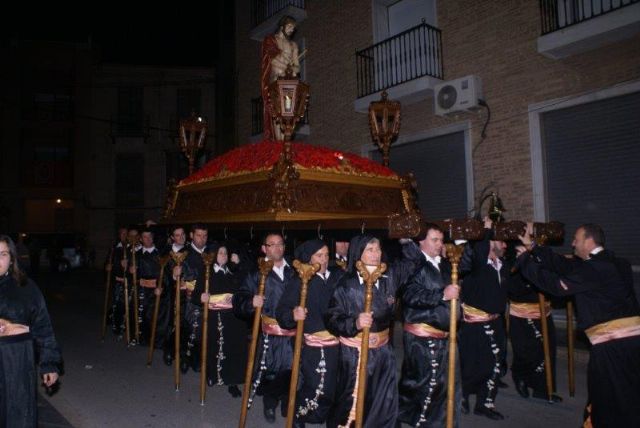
[18, 373]
[381, 399]
[318, 365]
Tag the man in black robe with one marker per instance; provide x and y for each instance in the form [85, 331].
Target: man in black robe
[482, 334]
[275, 347]
[608, 312]
[193, 276]
[319, 358]
[166, 321]
[148, 271]
[122, 263]
[346, 318]
[426, 310]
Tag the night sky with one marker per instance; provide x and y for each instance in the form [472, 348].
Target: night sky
[131, 38]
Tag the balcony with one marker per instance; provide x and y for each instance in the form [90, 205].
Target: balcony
[265, 15]
[257, 124]
[407, 65]
[570, 27]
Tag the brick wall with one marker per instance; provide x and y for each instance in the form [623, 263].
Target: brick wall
[495, 40]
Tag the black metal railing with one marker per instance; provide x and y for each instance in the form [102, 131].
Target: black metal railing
[558, 14]
[257, 118]
[414, 53]
[261, 10]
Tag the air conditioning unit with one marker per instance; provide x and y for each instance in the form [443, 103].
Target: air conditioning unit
[457, 95]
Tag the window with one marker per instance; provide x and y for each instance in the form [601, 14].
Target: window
[130, 118]
[49, 106]
[440, 167]
[47, 157]
[47, 94]
[129, 184]
[392, 17]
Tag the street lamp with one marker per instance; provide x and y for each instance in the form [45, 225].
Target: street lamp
[193, 132]
[384, 123]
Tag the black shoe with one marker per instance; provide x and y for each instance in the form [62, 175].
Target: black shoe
[168, 359]
[554, 398]
[210, 381]
[234, 391]
[522, 389]
[465, 406]
[490, 413]
[270, 415]
[501, 384]
[184, 366]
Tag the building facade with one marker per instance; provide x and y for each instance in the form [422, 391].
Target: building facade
[136, 151]
[88, 146]
[556, 133]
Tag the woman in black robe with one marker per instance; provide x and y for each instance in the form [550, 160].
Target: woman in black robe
[227, 353]
[346, 317]
[24, 322]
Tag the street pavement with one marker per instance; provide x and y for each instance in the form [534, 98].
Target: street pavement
[106, 384]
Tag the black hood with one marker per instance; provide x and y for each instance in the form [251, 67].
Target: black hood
[356, 248]
[307, 249]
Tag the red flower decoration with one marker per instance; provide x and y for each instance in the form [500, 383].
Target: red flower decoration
[263, 155]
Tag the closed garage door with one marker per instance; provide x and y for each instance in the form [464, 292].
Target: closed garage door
[592, 162]
[439, 164]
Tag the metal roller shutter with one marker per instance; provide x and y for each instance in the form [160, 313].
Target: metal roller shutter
[592, 162]
[440, 169]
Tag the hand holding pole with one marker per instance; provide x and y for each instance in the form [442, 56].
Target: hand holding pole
[369, 280]
[177, 258]
[265, 266]
[454, 253]
[306, 272]
[208, 259]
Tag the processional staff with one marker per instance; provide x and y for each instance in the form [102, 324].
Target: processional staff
[126, 293]
[156, 307]
[177, 258]
[541, 238]
[136, 310]
[545, 337]
[265, 266]
[208, 259]
[370, 279]
[454, 253]
[306, 272]
[107, 290]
